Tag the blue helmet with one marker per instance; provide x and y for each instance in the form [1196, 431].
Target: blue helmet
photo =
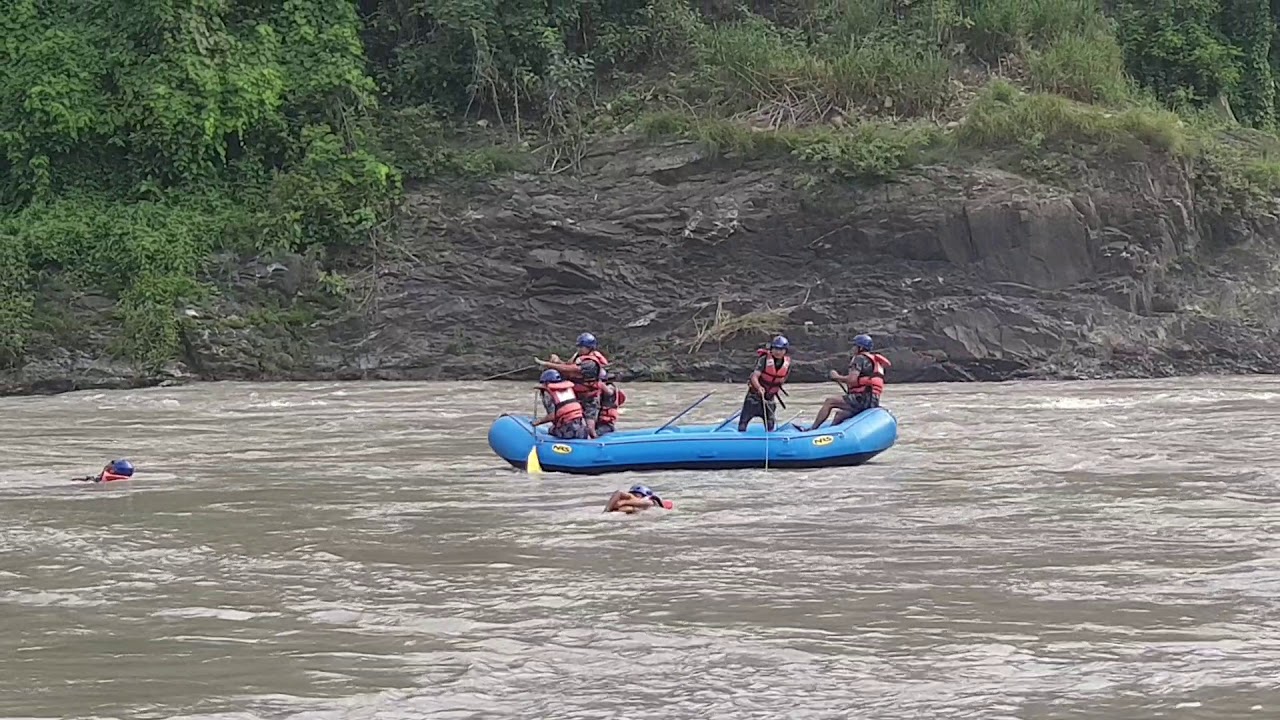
[779, 343]
[641, 490]
[121, 467]
[550, 376]
[863, 341]
[587, 340]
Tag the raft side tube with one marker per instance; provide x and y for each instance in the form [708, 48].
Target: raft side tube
[699, 447]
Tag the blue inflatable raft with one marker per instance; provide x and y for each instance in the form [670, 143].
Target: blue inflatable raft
[702, 447]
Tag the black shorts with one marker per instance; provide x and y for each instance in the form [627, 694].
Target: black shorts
[753, 407]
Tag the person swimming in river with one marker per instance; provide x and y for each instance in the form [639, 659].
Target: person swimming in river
[114, 470]
[637, 499]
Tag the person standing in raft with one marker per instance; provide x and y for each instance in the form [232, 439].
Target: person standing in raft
[637, 499]
[114, 470]
[864, 383]
[584, 369]
[611, 398]
[564, 412]
[770, 374]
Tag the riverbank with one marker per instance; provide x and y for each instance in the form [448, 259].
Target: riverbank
[992, 196]
[681, 260]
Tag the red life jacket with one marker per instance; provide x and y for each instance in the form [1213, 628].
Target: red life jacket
[590, 388]
[875, 380]
[108, 476]
[595, 356]
[609, 405]
[565, 407]
[772, 378]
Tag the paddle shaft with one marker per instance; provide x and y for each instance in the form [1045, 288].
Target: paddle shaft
[509, 372]
[731, 419]
[683, 412]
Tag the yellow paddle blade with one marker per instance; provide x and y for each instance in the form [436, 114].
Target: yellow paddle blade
[532, 465]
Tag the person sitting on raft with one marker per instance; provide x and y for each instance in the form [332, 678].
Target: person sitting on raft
[114, 470]
[611, 398]
[864, 383]
[584, 369]
[635, 500]
[770, 374]
[564, 412]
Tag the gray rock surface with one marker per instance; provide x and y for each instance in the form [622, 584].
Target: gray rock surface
[960, 274]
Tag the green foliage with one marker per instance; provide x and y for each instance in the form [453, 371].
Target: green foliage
[424, 146]
[867, 151]
[1248, 26]
[508, 58]
[137, 137]
[753, 61]
[1004, 116]
[995, 28]
[1088, 67]
[1177, 48]
[140, 136]
[147, 253]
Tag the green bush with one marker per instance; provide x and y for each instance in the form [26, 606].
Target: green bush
[995, 28]
[139, 137]
[1177, 48]
[1084, 67]
[1004, 116]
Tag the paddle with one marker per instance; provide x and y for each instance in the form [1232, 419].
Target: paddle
[683, 412]
[726, 422]
[509, 372]
[531, 464]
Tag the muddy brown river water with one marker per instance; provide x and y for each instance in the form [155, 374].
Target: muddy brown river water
[1042, 550]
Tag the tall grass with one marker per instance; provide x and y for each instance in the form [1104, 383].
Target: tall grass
[1064, 89]
[994, 28]
[1088, 67]
[861, 56]
[754, 61]
[1004, 116]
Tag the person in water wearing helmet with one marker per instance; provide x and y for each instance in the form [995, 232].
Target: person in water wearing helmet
[584, 369]
[114, 470]
[611, 399]
[864, 383]
[767, 379]
[564, 412]
[638, 498]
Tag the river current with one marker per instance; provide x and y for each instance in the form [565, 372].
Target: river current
[1098, 550]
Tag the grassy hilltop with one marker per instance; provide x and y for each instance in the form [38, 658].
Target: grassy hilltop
[140, 138]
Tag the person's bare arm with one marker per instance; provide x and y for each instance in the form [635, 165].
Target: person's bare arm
[614, 500]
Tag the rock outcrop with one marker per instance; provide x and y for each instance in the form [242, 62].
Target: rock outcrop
[960, 274]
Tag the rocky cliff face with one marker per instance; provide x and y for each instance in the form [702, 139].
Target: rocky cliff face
[682, 263]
